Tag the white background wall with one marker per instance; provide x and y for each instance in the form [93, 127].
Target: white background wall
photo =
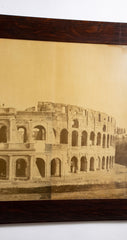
[99, 10]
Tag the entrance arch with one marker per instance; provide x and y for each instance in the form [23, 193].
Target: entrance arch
[39, 133]
[56, 167]
[107, 163]
[74, 138]
[74, 165]
[64, 136]
[104, 141]
[92, 164]
[41, 166]
[3, 134]
[83, 164]
[3, 169]
[98, 163]
[98, 139]
[103, 163]
[84, 138]
[111, 140]
[23, 134]
[92, 138]
[110, 162]
[21, 168]
[108, 141]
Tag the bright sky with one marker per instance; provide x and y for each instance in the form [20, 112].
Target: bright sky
[89, 75]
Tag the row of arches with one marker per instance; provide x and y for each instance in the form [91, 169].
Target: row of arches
[102, 139]
[21, 169]
[55, 167]
[104, 163]
[22, 166]
[75, 122]
[39, 133]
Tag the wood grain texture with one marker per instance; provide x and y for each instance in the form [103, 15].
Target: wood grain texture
[65, 31]
[63, 210]
[62, 30]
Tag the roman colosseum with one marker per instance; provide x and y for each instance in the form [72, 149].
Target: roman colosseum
[54, 141]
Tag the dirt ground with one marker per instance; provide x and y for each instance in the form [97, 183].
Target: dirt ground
[102, 185]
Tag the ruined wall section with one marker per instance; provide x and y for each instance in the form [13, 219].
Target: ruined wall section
[54, 140]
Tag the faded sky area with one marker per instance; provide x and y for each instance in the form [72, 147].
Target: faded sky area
[88, 75]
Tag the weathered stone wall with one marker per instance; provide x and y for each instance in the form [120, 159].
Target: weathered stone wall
[54, 140]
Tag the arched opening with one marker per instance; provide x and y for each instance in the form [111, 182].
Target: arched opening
[98, 163]
[111, 140]
[3, 134]
[84, 138]
[104, 128]
[108, 141]
[75, 123]
[21, 168]
[56, 167]
[92, 164]
[107, 163]
[103, 163]
[64, 136]
[74, 138]
[3, 169]
[22, 134]
[104, 141]
[39, 133]
[99, 117]
[83, 164]
[92, 138]
[74, 165]
[41, 166]
[99, 139]
[110, 162]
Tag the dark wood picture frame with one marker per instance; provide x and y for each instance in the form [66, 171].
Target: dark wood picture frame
[14, 27]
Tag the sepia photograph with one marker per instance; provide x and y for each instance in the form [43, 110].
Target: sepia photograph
[63, 120]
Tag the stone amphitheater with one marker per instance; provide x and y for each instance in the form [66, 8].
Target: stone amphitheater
[54, 141]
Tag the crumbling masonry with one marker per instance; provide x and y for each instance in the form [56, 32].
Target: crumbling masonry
[54, 140]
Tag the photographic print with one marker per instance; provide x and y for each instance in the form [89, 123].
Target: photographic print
[63, 120]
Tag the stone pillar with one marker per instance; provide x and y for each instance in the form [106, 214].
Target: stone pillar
[58, 137]
[95, 139]
[12, 131]
[78, 164]
[88, 138]
[32, 162]
[70, 138]
[100, 164]
[30, 132]
[48, 167]
[62, 168]
[88, 164]
[95, 163]
[79, 138]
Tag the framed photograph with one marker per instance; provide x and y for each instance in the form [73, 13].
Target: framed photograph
[63, 120]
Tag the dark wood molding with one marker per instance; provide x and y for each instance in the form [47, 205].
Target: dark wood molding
[15, 27]
[47, 29]
[62, 210]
